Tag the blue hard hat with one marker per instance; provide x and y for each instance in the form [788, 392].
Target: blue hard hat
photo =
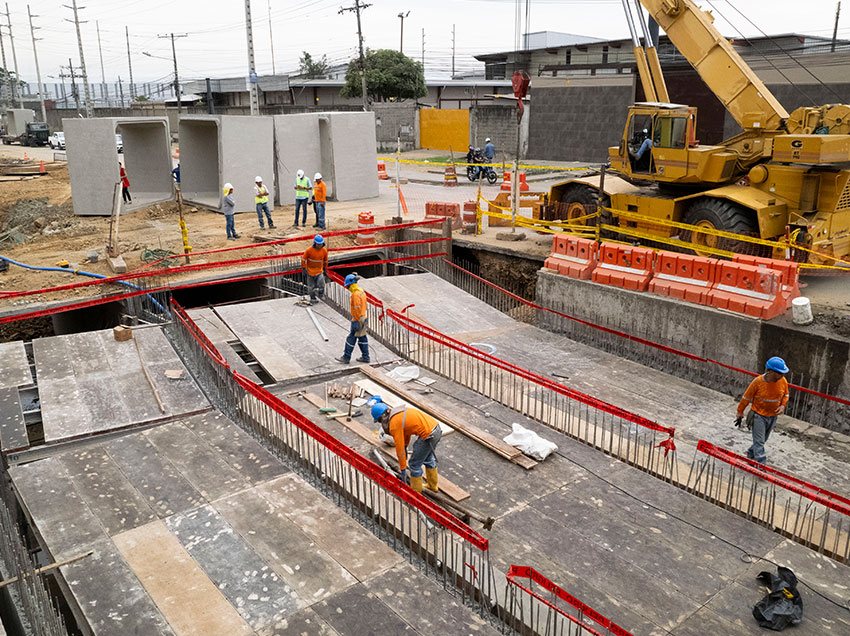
[378, 410]
[776, 364]
[350, 279]
[319, 239]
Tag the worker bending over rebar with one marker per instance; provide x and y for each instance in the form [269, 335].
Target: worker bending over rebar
[403, 423]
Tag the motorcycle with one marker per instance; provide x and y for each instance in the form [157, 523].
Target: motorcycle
[486, 172]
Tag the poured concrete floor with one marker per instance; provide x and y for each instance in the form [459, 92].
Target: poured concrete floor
[819, 456]
[649, 556]
[197, 530]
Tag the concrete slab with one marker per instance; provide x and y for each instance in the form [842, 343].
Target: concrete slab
[284, 340]
[13, 429]
[219, 334]
[342, 538]
[93, 161]
[305, 623]
[189, 600]
[90, 383]
[214, 151]
[260, 596]
[298, 560]
[13, 361]
[203, 467]
[357, 611]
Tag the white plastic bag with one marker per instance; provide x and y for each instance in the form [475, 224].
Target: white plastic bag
[404, 374]
[530, 443]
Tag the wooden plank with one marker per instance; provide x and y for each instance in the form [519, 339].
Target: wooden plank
[364, 432]
[501, 448]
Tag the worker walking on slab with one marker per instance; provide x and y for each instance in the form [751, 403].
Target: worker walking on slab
[403, 423]
[320, 198]
[314, 262]
[767, 396]
[303, 192]
[125, 184]
[228, 206]
[359, 316]
[261, 200]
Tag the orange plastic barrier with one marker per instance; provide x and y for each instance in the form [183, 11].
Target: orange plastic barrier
[438, 209]
[506, 181]
[789, 274]
[624, 266]
[469, 217]
[682, 276]
[382, 171]
[747, 289]
[523, 184]
[572, 256]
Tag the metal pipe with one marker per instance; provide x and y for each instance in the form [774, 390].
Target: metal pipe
[316, 323]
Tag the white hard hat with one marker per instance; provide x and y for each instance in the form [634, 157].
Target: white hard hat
[317, 176]
[257, 179]
[487, 141]
[299, 174]
[228, 187]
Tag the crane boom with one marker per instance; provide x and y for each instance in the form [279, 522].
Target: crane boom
[719, 65]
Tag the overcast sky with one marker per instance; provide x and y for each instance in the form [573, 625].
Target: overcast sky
[216, 43]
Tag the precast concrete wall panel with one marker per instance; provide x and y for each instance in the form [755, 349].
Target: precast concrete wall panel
[93, 162]
[354, 154]
[298, 148]
[219, 149]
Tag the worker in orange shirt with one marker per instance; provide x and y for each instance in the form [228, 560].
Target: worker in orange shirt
[402, 424]
[314, 262]
[359, 317]
[767, 396]
[320, 198]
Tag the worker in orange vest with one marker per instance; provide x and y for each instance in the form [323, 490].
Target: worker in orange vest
[403, 423]
[320, 198]
[767, 397]
[359, 317]
[314, 262]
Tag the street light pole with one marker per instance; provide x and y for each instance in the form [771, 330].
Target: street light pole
[402, 16]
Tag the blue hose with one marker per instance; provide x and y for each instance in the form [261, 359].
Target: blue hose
[80, 272]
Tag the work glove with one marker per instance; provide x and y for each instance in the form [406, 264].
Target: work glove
[738, 421]
[402, 475]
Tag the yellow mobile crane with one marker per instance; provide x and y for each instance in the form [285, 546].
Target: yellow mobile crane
[784, 172]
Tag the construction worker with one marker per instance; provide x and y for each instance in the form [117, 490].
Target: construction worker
[303, 192]
[403, 423]
[125, 184]
[261, 200]
[320, 198]
[767, 397]
[314, 262]
[359, 316]
[228, 206]
[489, 150]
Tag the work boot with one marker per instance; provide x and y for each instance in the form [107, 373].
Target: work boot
[271, 225]
[416, 483]
[363, 360]
[343, 360]
[236, 236]
[431, 478]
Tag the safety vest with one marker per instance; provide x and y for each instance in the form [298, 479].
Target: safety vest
[302, 186]
[261, 194]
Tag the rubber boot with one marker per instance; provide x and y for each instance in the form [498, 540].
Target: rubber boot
[416, 483]
[431, 478]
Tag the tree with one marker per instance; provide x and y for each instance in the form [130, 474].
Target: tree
[390, 75]
[142, 98]
[309, 68]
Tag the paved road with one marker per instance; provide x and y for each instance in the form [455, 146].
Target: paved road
[38, 153]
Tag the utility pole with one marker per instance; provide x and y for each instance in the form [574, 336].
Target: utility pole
[104, 91]
[83, 73]
[176, 76]
[6, 75]
[357, 8]
[402, 16]
[453, 51]
[74, 92]
[130, 64]
[121, 91]
[37, 69]
[252, 67]
[834, 30]
[271, 37]
[423, 51]
[16, 89]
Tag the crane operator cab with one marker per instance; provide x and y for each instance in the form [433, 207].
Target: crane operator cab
[641, 140]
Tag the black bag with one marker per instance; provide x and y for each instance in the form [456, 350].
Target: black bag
[783, 606]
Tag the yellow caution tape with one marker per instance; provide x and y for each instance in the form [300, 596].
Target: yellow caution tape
[501, 166]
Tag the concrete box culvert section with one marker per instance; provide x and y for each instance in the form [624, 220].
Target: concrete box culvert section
[219, 149]
[93, 162]
[341, 146]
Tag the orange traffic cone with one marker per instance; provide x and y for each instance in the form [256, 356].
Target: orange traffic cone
[523, 184]
[506, 181]
[450, 176]
[382, 171]
[26, 156]
[41, 167]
